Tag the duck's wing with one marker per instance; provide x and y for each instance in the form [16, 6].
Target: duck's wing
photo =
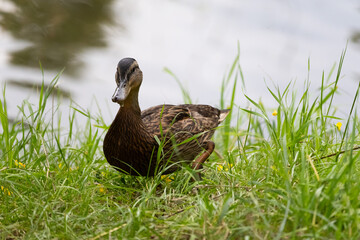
[169, 114]
[190, 118]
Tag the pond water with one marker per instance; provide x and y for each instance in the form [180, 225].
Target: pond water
[196, 40]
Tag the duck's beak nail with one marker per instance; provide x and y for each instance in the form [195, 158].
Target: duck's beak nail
[113, 98]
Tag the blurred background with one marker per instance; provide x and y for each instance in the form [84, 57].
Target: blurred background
[196, 40]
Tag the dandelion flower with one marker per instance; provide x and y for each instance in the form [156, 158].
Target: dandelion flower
[338, 125]
[274, 113]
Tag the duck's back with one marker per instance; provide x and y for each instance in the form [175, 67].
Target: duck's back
[186, 117]
[178, 124]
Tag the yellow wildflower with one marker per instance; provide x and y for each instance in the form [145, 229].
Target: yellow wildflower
[338, 125]
[222, 168]
[60, 165]
[229, 166]
[102, 189]
[19, 164]
[166, 178]
[5, 190]
[274, 113]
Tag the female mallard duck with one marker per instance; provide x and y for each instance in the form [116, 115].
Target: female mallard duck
[132, 142]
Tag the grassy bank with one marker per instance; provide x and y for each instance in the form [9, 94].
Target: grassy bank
[291, 172]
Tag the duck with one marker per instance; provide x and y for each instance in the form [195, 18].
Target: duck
[160, 139]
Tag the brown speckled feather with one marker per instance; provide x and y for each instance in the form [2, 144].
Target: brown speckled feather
[180, 122]
[186, 117]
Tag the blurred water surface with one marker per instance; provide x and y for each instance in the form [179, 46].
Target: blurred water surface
[196, 40]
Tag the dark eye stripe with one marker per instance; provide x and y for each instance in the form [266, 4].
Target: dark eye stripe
[132, 71]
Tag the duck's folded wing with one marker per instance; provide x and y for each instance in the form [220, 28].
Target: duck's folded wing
[180, 118]
[169, 114]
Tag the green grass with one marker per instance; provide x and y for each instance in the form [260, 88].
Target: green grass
[289, 176]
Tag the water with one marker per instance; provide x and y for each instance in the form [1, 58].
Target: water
[196, 40]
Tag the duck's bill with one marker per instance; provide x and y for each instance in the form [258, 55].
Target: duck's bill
[120, 94]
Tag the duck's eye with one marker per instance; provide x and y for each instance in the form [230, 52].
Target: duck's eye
[132, 71]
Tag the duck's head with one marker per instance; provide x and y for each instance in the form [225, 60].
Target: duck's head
[128, 78]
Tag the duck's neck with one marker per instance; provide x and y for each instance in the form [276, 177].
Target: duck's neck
[128, 119]
[131, 103]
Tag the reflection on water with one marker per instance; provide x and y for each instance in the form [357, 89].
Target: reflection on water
[37, 86]
[57, 30]
[356, 37]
